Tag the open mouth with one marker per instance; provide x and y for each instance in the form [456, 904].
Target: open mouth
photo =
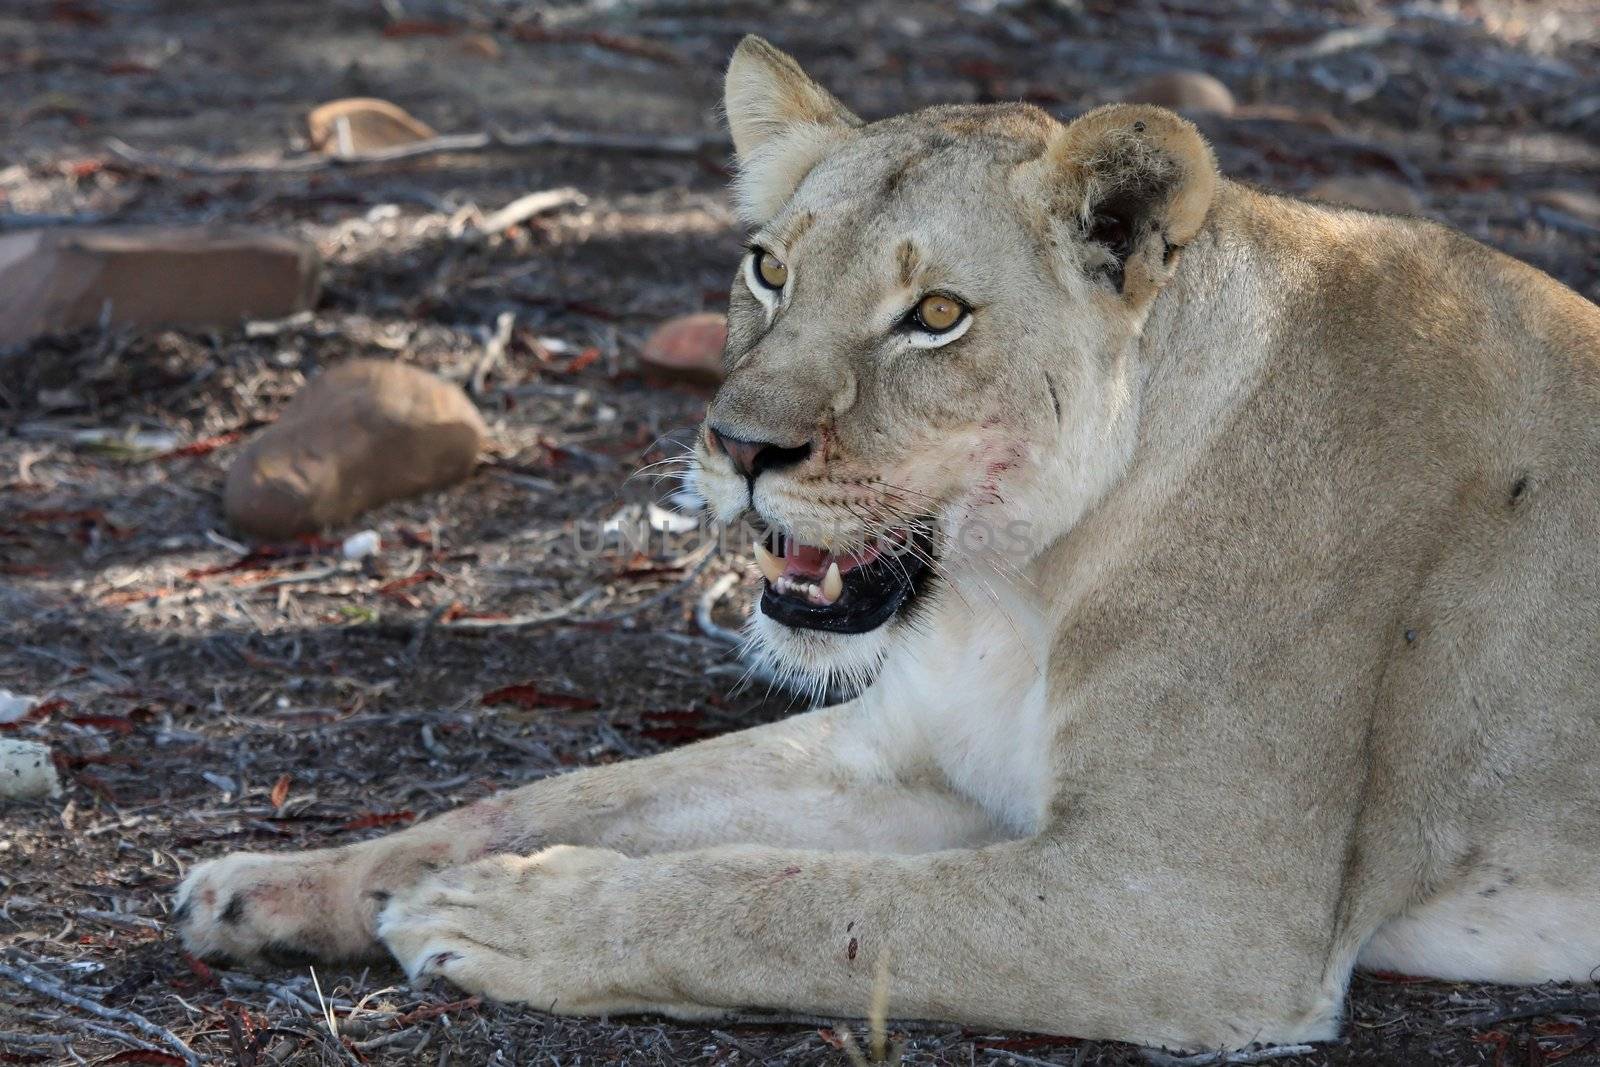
[845, 592]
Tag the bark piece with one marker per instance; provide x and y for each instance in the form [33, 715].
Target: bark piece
[358, 124]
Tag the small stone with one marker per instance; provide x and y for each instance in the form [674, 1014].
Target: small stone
[14, 707]
[361, 545]
[359, 124]
[62, 279]
[27, 771]
[359, 435]
[688, 348]
[1368, 192]
[1182, 90]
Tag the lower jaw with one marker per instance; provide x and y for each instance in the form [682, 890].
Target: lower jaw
[832, 618]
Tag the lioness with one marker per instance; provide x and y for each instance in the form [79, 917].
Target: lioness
[1226, 570]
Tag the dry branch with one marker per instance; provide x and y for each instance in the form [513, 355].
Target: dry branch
[32, 978]
[448, 144]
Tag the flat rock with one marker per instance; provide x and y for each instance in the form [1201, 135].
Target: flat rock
[687, 348]
[362, 433]
[64, 278]
[360, 124]
[1370, 193]
[1182, 90]
[27, 770]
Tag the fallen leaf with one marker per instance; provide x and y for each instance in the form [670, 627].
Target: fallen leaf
[529, 696]
[280, 791]
[201, 969]
[433, 1011]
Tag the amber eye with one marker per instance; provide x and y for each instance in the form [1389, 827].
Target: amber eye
[771, 270]
[936, 313]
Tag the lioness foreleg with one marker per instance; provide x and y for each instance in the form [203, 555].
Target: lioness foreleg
[1004, 936]
[819, 779]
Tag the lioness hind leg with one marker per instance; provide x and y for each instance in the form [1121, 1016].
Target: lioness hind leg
[1498, 925]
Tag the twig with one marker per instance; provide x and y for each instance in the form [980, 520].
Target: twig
[1205, 1059]
[11, 1037]
[708, 602]
[449, 144]
[568, 610]
[1017, 1057]
[1548, 1007]
[519, 621]
[494, 353]
[524, 208]
[33, 979]
[315, 574]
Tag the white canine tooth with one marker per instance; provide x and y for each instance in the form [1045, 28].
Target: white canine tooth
[832, 583]
[770, 565]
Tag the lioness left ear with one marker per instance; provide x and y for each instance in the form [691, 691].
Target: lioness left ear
[782, 123]
[1136, 182]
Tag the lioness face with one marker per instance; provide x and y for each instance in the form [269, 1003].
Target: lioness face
[926, 356]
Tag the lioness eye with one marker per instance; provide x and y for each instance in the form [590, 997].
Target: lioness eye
[771, 270]
[936, 314]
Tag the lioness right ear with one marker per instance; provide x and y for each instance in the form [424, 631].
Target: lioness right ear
[1136, 182]
[782, 123]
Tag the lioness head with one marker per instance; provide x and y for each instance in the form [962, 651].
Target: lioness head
[930, 341]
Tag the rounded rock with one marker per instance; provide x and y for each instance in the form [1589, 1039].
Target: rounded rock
[688, 347]
[359, 435]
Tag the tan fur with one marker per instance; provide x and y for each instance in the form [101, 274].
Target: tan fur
[1294, 666]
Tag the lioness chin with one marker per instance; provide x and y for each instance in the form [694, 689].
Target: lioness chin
[1221, 571]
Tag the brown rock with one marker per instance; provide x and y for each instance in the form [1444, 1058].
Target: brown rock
[688, 348]
[1368, 192]
[360, 124]
[1182, 90]
[360, 434]
[62, 279]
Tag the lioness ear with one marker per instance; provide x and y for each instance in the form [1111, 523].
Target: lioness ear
[782, 124]
[1137, 182]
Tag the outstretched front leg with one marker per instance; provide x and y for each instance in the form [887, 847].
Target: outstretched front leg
[823, 779]
[1017, 935]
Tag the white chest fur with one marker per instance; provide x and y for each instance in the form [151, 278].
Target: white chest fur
[968, 692]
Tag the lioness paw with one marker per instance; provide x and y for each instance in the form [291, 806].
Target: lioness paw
[262, 909]
[526, 929]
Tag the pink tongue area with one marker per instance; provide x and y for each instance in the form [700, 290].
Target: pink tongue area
[809, 561]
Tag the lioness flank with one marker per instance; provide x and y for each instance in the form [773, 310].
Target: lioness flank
[1219, 575]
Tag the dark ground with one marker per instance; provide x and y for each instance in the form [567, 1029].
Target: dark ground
[292, 702]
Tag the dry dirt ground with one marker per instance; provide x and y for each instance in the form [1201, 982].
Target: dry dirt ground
[202, 699]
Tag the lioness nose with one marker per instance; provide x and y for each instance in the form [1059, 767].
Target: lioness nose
[753, 458]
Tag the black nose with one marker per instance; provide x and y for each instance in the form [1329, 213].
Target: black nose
[753, 458]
